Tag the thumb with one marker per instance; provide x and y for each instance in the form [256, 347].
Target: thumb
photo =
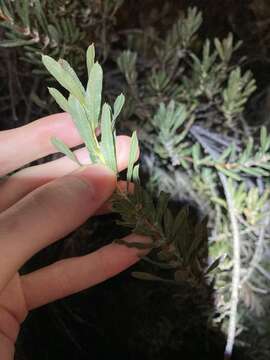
[49, 213]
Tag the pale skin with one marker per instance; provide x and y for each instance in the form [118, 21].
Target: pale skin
[40, 205]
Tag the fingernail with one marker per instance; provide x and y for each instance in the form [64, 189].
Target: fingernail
[98, 176]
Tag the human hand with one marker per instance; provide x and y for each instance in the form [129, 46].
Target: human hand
[40, 205]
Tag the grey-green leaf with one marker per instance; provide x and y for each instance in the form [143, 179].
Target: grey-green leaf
[85, 130]
[117, 107]
[53, 32]
[63, 76]
[15, 43]
[59, 98]
[163, 201]
[108, 139]
[90, 58]
[67, 68]
[228, 173]
[93, 94]
[64, 149]
[145, 276]
[265, 140]
[226, 153]
[215, 263]
[134, 150]
[135, 174]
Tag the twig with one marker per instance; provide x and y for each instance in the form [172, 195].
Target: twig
[219, 139]
[236, 250]
[263, 271]
[235, 271]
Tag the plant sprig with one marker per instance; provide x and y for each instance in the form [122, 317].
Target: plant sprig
[84, 106]
[177, 241]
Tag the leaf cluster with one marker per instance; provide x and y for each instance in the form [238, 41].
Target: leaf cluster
[191, 106]
[205, 80]
[57, 28]
[169, 122]
[235, 95]
[179, 240]
[86, 109]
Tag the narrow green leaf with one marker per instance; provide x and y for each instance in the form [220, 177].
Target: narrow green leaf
[85, 130]
[215, 263]
[41, 18]
[145, 276]
[59, 98]
[67, 68]
[195, 242]
[219, 48]
[263, 138]
[162, 204]
[180, 219]
[5, 11]
[255, 171]
[249, 148]
[137, 193]
[134, 150]
[90, 58]
[226, 153]
[185, 164]
[63, 76]
[93, 94]
[228, 173]
[53, 32]
[168, 223]
[117, 107]
[219, 201]
[107, 138]
[64, 149]
[267, 144]
[15, 43]
[135, 175]
[196, 154]
[148, 206]
[266, 166]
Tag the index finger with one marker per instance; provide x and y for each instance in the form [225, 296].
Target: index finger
[30, 142]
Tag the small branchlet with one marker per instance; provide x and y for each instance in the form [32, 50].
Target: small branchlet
[235, 95]
[177, 243]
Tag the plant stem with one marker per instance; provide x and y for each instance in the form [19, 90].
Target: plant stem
[235, 271]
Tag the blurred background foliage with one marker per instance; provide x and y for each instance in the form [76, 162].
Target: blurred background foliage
[196, 79]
